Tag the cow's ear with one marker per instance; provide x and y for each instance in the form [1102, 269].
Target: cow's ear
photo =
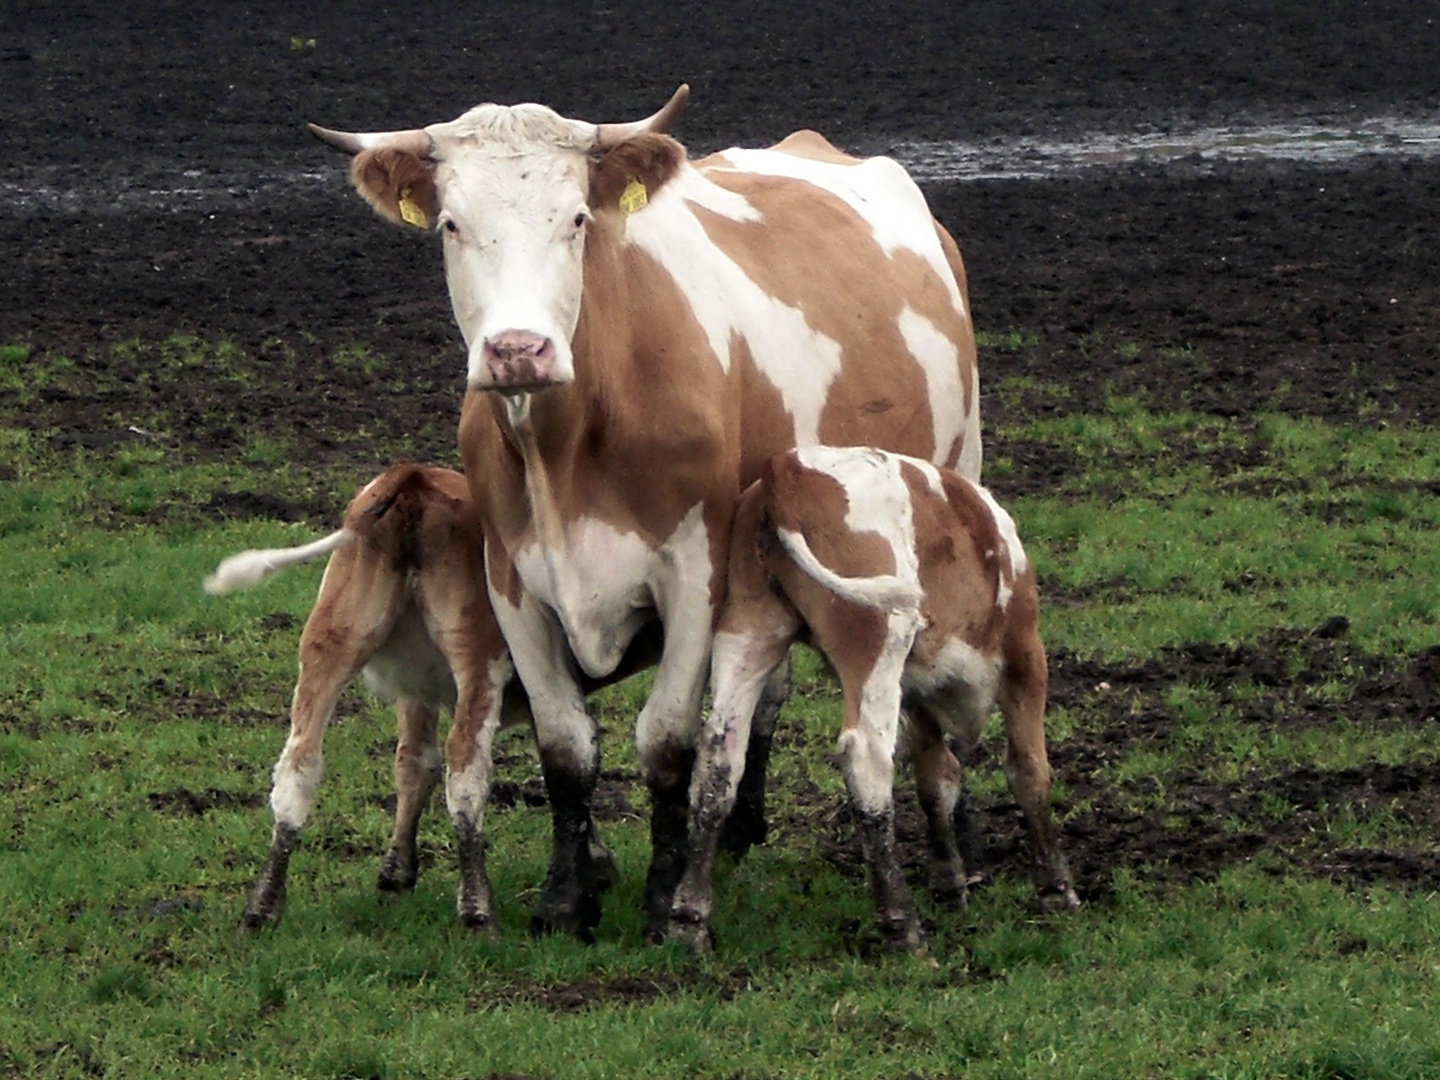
[398, 184]
[629, 175]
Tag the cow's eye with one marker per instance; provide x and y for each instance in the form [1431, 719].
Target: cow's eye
[451, 227]
[580, 219]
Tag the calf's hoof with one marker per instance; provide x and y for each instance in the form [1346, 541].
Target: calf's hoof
[481, 923]
[1059, 898]
[397, 874]
[263, 910]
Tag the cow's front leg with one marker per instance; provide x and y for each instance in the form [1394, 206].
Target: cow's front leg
[417, 771]
[668, 725]
[569, 760]
[665, 735]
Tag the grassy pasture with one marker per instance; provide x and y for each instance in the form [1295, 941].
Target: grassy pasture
[1194, 569]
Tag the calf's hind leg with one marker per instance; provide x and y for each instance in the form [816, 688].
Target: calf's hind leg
[338, 640]
[870, 679]
[939, 784]
[417, 771]
[1022, 704]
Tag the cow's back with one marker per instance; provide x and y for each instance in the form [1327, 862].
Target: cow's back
[831, 296]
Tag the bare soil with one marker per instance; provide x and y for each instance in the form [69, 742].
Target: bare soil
[155, 186]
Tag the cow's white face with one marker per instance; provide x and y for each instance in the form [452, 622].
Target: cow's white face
[514, 222]
[508, 186]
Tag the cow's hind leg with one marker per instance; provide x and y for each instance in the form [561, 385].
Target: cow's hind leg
[324, 670]
[354, 613]
[746, 826]
[469, 753]
[1022, 704]
[939, 784]
[871, 686]
[417, 771]
[750, 646]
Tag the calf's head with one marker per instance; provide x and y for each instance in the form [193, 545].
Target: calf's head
[510, 190]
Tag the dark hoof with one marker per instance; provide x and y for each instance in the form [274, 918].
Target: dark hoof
[481, 923]
[1060, 898]
[578, 919]
[743, 829]
[903, 934]
[260, 913]
[396, 875]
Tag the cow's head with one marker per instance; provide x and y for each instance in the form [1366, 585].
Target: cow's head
[509, 189]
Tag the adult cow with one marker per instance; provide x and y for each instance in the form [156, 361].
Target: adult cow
[643, 333]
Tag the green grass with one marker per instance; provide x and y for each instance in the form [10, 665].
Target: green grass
[123, 687]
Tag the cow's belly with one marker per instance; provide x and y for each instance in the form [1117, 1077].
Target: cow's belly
[409, 664]
[600, 584]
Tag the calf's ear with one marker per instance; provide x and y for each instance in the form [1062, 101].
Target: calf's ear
[398, 184]
[630, 174]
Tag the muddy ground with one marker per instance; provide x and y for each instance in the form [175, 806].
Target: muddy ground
[158, 182]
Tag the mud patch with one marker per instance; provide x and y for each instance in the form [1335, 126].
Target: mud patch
[620, 990]
[189, 803]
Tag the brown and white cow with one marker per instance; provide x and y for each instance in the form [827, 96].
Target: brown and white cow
[912, 582]
[643, 332]
[402, 603]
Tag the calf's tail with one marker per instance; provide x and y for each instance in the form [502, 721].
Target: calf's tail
[886, 592]
[252, 567]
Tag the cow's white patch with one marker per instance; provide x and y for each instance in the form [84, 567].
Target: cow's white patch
[931, 474]
[1015, 559]
[468, 789]
[563, 729]
[598, 584]
[878, 189]
[869, 747]
[409, 664]
[960, 685]
[800, 362]
[514, 260]
[681, 588]
[293, 795]
[939, 357]
[878, 500]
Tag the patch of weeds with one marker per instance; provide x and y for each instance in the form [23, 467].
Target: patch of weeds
[1007, 341]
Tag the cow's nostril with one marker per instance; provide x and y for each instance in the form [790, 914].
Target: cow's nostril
[519, 344]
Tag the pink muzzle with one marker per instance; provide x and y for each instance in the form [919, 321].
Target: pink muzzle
[520, 360]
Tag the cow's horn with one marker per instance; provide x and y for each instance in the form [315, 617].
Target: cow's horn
[608, 135]
[417, 141]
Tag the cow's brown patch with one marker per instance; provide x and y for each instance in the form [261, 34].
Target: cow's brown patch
[650, 159]
[806, 245]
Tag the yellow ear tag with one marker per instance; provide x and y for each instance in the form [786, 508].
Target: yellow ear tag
[410, 211]
[633, 198]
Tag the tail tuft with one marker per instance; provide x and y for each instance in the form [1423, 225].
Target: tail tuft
[249, 568]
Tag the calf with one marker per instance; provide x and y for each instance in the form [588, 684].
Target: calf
[912, 582]
[403, 602]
